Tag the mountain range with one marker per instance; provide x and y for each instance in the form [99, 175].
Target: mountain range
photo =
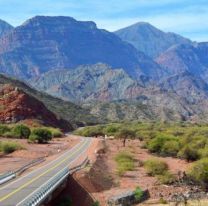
[135, 73]
[42, 44]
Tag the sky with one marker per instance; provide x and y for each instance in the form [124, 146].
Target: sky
[186, 17]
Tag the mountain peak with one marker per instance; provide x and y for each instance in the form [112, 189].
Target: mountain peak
[57, 21]
[149, 39]
[4, 27]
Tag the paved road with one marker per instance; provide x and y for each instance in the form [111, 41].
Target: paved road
[19, 190]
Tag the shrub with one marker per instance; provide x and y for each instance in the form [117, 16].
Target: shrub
[199, 172]
[41, 135]
[170, 148]
[4, 129]
[125, 162]
[9, 147]
[155, 167]
[111, 129]
[55, 132]
[138, 194]
[203, 152]
[189, 153]
[164, 144]
[92, 131]
[21, 131]
[166, 178]
[155, 145]
[8, 134]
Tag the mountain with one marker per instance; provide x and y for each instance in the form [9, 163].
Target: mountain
[112, 95]
[87, 83]
[185, 85]
[186, 58]
[155, 104]
[75, 115]
[5, 28]
[150, 40]
[45, 43]
[16, 105]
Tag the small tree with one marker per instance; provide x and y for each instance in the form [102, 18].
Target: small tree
[41, 135]
[125, 134]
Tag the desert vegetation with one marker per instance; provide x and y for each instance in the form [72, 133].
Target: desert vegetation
[8, 147]
[179, 140]
[125, 162]
[33, 134]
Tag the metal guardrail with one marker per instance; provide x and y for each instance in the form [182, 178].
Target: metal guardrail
[79, 167]
[41, 194]
[30, 164]
[12, 174]
[6, 177]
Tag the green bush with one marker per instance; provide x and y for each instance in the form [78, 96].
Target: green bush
[8, 134]
[21, 131]
[125, 162]
[164, 145]
[40, 135]
[56, 132]
[138, 194]
[199, 172]
[189, 153]
[170, 148]
[203, 152]
[9, 147]
[4, 129]
[111, 129]
[92, 131]
[155, 167]
[166, 178]
[155, 145]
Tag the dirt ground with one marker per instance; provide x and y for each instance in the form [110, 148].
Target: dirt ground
[101, 180]
[30, 152]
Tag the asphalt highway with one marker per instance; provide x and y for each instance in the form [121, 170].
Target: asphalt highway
[18, 191]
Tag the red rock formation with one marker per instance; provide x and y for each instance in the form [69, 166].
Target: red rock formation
[16, 105]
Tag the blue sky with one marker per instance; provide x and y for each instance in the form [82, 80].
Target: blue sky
[186, 17]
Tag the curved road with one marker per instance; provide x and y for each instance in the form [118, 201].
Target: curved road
[18, 191]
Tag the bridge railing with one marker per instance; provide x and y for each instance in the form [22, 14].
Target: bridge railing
[42, 193]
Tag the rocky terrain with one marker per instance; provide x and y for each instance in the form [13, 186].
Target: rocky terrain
[16, 106]
[186, 58]
[150, 40]
[111, 94]
[88, 83]
[73, 114]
